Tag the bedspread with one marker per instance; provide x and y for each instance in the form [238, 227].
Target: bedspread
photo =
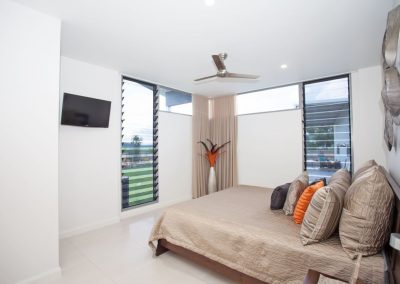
[235, 227]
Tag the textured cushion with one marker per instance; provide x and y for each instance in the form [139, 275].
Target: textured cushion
[342, 179]
[365, 222]
[304, 201]
[364, 167]
[295, 190]
[323, 214]
[278, 196]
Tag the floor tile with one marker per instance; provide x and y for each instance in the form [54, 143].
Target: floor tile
[159, 272]
[119, 254]
[84, 273]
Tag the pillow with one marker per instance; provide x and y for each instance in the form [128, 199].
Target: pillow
[341, 177]
[364, 167]
[318, 180]
[304, 201]
[323, 214]
[278, 196]
[295, 190]
[365, 222]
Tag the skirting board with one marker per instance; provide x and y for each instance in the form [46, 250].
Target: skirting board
[53, 273]
[124, 215]
[88, 228]
[146, 209]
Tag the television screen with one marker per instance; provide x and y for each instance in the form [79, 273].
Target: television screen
[84, 111]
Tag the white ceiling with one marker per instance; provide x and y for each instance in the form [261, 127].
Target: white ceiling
[171, 42]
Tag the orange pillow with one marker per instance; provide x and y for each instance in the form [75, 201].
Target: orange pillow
[304, 201]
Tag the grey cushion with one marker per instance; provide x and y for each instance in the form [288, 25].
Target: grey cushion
[295, 190]
[366, 217]
[323, 213]
[278, 196]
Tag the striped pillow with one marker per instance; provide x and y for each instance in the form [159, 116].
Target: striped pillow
[323, 214]
[295, 190]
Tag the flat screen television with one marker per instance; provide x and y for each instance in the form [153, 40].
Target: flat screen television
[84, 111]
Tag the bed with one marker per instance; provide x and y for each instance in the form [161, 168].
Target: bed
[235, 233]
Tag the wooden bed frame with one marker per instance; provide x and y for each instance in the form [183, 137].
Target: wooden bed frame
[391, 256]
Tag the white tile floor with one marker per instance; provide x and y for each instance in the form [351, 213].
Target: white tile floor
[119, 254]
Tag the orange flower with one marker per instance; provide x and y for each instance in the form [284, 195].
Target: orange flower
[212, 153]
[212, 158]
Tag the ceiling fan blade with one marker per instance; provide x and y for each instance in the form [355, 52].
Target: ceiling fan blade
[219, 63]
[244, 76]
[205, 78]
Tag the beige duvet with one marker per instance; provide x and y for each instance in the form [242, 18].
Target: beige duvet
[236, 228]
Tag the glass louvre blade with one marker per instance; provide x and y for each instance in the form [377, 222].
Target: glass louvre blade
[327, 131]
[139, 122]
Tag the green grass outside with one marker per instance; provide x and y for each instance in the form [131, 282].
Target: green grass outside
[138, 150]
[140, 184]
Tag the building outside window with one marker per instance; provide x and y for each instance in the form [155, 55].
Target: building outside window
[175, 101]
[327, 129]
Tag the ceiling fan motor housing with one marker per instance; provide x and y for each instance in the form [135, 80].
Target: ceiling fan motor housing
[223, 56]
[222, 73]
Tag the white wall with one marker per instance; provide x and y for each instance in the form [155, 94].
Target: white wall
[175, 162]
[270, 147]
[89, 163]
[90, 177]
[175, 157]
[367, 116]
[29, 72]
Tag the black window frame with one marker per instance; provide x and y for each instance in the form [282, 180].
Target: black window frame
[348, 77]
[125, 191]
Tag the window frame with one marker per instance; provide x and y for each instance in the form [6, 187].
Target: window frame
[303, 107]
[155, 143]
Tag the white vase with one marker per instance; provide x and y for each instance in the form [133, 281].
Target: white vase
[212, 181]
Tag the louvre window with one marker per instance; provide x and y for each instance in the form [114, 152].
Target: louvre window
[327, 130]
[139, 152]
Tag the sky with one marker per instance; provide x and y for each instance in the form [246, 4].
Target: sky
[138, 112]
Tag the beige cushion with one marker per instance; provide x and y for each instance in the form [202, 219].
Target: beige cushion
[323, 213]
[365, 222]
[342, 178]
[367, 165]
[325, 280]
[295, 190]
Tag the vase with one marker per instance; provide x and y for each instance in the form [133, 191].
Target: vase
[212, 181]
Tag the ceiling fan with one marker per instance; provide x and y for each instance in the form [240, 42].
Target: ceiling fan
[222, 72]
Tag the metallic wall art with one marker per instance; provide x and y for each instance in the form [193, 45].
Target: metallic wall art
[390, 42]
[391, 91]
[391, 67]
[388, 133]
